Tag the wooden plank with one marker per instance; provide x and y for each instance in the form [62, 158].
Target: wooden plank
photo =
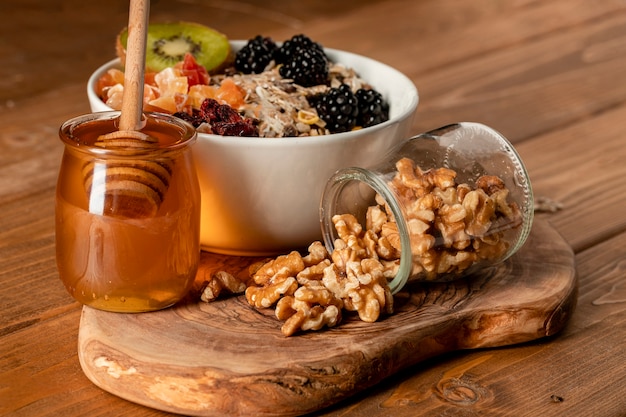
[40, 374]
[442, 33]
[535, 87]
[580, 166]
[72, 51]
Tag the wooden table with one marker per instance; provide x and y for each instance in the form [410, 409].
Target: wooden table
[551, 76]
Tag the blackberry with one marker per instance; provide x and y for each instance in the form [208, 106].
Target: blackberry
[339, 108]
[255, 55]
[373, 109]
[293, 46]
[307, 68]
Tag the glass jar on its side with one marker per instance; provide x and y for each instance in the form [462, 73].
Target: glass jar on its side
[442, 205]
[127, 213]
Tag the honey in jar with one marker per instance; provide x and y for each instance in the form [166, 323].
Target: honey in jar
[127, 213]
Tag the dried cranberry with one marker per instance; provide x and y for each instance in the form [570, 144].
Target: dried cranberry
[227, 114]
[195, 119]
[225, 120]
[208, 109]
[245, 127]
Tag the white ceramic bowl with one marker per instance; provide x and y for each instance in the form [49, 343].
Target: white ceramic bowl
[261, 196]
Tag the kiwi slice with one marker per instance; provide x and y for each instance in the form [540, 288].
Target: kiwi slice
[167, 44]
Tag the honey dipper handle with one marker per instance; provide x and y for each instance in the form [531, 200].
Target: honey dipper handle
[132, 100]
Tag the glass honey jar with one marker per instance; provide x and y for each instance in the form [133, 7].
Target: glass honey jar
[127, 212]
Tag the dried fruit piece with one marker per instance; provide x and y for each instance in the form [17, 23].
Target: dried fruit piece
[230, 93]
[195, 73]
[224, 120]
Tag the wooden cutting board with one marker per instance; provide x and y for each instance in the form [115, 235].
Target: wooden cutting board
[229, 359]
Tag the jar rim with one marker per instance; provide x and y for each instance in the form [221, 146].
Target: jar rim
[330, 195]
[188, 135]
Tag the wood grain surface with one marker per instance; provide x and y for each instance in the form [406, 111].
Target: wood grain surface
[549, 75]
[226, 358]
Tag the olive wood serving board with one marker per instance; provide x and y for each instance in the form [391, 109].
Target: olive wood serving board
[226, 358]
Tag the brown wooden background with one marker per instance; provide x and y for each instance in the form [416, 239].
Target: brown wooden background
[550, 75]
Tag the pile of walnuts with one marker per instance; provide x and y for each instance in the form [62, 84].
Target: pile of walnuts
[310, 292]
[451, 227]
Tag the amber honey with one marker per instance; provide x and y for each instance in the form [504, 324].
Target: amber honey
[127, 217]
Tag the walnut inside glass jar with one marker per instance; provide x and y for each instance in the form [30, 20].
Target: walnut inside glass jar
[451, 226]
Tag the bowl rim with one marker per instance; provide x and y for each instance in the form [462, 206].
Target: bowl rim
[410, 88]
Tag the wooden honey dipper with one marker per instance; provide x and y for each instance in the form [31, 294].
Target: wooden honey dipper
[131, 187]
